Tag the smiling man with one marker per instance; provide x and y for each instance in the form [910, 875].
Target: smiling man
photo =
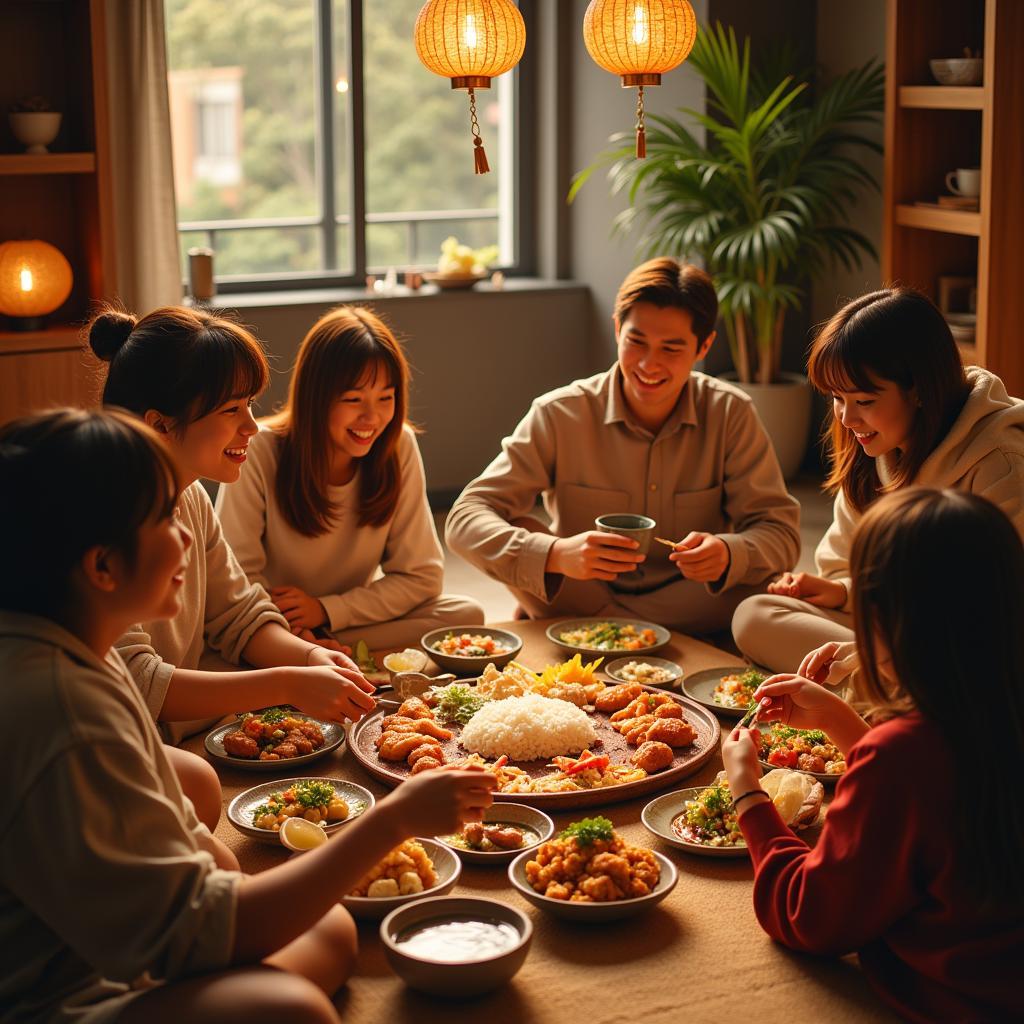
[651, 436]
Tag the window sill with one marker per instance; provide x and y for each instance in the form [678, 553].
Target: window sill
[334, 296]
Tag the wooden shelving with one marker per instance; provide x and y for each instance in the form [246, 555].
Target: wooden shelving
[942, 97]
[47, 163]
[931, 130]
[51, 339]
[956, 222]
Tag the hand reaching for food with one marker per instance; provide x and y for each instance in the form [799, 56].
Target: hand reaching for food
[701, 557]
[830, 664]
[593, 556]
[438, 802]
[804, 704]
[807, 587]
[328, 692]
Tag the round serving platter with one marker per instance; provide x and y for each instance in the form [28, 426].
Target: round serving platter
[334, 737]
[687, 760]
[556, 629]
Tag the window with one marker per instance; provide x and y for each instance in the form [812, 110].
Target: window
[312, 147]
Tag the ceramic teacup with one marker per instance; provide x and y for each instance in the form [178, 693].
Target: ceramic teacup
[627, 524]
[964, 181]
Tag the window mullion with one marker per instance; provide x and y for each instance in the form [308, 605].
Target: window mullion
[325, 66]
[357, 141]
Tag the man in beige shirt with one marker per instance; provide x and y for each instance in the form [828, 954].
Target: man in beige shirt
[647, 436]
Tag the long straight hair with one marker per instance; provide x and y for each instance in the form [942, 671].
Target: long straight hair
[957, 650]
[344, 349]
[897, 335]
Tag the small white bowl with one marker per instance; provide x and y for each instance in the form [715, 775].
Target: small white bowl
[958, 70]
[409, 660]
[447, 866]
[443, 978]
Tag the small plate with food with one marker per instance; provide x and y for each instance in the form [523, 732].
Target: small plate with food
[412, 871]
[649, 671]
[260, 812]
[728, 690]
[702, 820]
[273, 740]
[468, 650]
[804, 750]
[506, 831]
[609, 636]
[590, 874]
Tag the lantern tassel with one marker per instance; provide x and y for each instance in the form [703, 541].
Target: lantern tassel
[641, 133]
[480, 165]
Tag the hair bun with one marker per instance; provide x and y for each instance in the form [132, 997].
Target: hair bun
[108, 331]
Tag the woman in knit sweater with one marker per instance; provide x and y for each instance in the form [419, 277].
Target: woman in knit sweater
[192, 377]
[904, 411]
[917, 868]
[331, 514]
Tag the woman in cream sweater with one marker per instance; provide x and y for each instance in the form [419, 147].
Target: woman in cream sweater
[904, 411]
[331, 514]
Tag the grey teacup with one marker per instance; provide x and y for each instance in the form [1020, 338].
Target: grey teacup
[628, 524]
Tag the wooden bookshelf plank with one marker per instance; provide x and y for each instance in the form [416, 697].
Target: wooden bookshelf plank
[47, 163]
[942, 97]
[957, 222]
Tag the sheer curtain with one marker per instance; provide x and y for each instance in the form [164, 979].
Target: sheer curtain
[145, 243]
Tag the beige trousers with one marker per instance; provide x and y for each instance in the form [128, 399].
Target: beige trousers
[446, 610]
[777, 632]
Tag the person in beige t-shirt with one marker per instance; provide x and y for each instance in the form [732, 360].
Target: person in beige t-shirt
[116, 902]
[650, 436]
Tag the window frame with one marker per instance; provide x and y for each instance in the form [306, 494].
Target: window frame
[524, 100]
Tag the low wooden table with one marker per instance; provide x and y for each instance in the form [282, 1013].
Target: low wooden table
[700, 955]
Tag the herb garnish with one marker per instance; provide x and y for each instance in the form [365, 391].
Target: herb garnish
[313, 793]
[456, 702]
[589, 830]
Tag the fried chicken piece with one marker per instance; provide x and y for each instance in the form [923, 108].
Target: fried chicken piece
[285, 749]
[599, 888]
[237, 744]
[507, 838]
[645, 704]
[652, 756]
[313, 733]
[398, 746]
[617, 697]
[413, 707]
[669, 710]
[424, 764]
[633, 729]
[426, 750]
[675, 732]
[299, 741]
[473, 833]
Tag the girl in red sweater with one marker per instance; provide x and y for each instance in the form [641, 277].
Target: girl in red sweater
[918, 866]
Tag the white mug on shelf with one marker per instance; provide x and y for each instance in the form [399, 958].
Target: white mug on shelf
[964, 181]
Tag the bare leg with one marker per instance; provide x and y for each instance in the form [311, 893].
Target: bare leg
[324, 955]
[199, 782]
[238, 996]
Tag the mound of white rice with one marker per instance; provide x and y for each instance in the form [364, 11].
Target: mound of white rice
[527, 728]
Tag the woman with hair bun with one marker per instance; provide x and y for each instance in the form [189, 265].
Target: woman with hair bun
[904, 411]
[331, 515]
[192, 377]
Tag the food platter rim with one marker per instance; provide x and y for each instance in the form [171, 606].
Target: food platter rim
[217, 734]
[263, 836]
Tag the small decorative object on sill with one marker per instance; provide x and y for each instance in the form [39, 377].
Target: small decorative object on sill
[498, 281]
[34, 124]
[35, 279]
[200, 275]
[639, 41]
[413, 280]
[371, 283]
[470, 42]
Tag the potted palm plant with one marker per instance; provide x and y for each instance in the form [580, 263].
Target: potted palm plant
[763, 202]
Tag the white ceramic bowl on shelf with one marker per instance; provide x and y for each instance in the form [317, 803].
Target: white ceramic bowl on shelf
[958, 70]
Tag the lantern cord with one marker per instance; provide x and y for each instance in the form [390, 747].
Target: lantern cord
[480, 165]
[641, 134]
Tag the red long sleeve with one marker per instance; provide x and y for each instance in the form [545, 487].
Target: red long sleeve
[884, 880]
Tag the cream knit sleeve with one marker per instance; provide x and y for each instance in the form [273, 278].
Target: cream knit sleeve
[242, 507]
[832, 556]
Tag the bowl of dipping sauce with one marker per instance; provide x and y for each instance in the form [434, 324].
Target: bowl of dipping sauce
[456, 946]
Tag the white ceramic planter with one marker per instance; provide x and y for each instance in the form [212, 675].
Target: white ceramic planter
[35, 129]
[785, 411]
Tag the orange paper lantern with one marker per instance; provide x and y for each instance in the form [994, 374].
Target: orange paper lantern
[35, 279]
[639, 40]
[470, 42]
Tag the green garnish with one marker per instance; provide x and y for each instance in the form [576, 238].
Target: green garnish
[752, 678]
[313, 793]
[456, 702]
[813, 736]
[589, 830]
[364, 659]
[716, 798]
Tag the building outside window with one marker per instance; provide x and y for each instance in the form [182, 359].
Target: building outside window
[311, 146]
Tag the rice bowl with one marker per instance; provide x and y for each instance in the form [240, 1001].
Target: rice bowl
[528, 728]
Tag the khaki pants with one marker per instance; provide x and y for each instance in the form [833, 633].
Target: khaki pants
[777, 632]
[446, 610]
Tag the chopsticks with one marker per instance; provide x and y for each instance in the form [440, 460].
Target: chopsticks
[668, 543]
[750, 716]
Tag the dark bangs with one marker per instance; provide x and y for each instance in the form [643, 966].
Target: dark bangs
[836, 365]
[228, 365]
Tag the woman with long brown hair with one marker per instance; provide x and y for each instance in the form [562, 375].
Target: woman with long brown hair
[904, 411]
[331, 514]
[917, 868]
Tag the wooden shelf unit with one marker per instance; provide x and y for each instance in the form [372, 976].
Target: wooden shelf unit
[932, 129]
[56, 49]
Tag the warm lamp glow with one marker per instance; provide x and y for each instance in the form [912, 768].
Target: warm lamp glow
[470, 42]
[639, 40]
[35, 278]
